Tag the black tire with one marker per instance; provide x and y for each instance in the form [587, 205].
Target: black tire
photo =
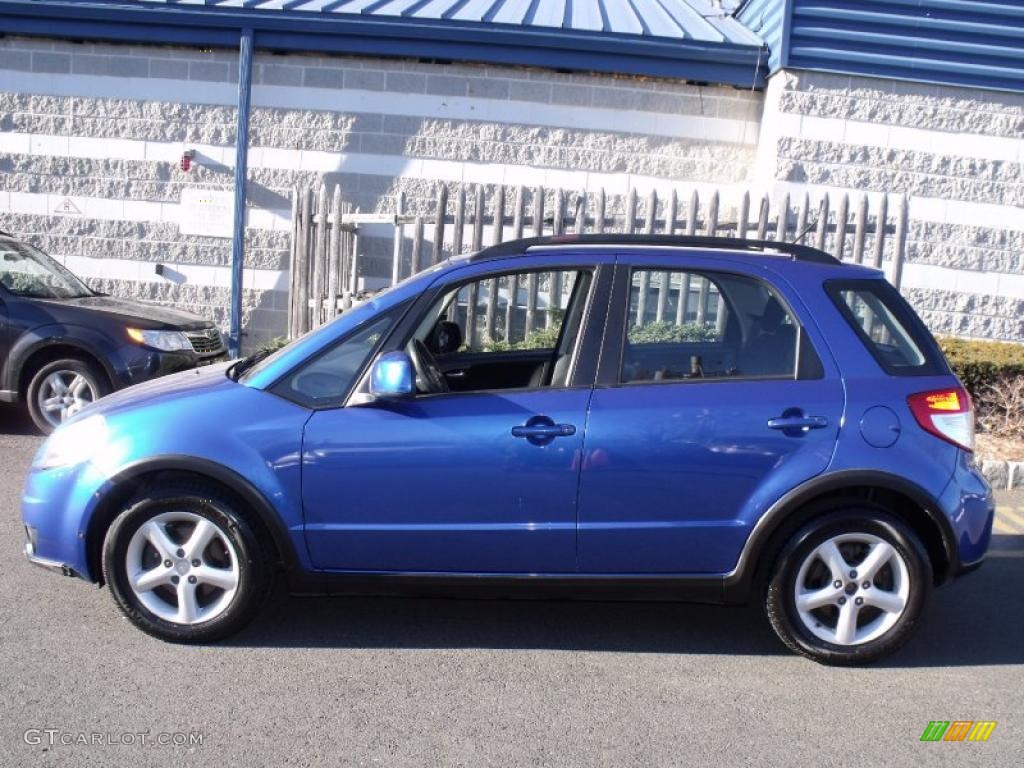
[86, 369]
[254, 564]
[780, 600]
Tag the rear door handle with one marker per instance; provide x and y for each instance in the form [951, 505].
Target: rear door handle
[795, 422]
[553, 430]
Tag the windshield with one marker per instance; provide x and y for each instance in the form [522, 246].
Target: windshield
[27, 271]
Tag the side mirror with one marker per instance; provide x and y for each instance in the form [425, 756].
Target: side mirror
[392, 376]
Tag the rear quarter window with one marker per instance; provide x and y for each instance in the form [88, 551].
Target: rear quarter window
[888, 327]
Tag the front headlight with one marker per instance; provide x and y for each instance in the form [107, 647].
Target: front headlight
[73, 444]
[167, 341]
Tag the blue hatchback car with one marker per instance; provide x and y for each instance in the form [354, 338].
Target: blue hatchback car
[652, 417]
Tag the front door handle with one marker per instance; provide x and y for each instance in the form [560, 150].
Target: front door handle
[794, 422]
[540, 430]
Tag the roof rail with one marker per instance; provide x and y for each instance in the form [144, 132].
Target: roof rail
[793, 250]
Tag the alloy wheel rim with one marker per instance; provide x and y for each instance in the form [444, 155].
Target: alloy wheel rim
[182, 567]
[63, 394]
[851, 589]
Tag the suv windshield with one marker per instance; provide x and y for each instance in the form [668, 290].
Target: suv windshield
[27, 271]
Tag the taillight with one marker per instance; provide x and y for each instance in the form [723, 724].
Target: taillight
[947, 414]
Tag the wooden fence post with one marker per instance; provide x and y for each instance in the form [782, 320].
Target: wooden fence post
[666, 277]
[579, 224]
[555, 277]
[782, 220]
[630, 223]
[396, 264]
[880, 222]
[743, 219]
[319, 258]
[334, 257]
[801, 219]
[416, 257]
[645, 276]
[293, 272]
[822, 222]
[692, 213]
[440, 213]
[531, 279]
[841, 214]
[497, 233]
[902, 215]
[762, 218]
[474, 288]
[458, 227]
[518, 222]
[301, 303]
[860, 229]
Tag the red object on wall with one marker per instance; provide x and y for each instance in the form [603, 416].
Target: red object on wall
[186, 159]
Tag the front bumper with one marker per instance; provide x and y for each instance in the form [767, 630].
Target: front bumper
[55, 509]
[138, 364]
[51, 565]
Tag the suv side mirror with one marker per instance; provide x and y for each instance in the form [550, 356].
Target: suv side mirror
[392, 376]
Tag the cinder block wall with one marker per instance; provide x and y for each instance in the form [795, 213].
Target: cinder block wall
[958, 153]
[91, 136]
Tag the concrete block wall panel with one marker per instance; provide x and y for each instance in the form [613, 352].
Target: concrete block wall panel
[958, 153]
[104, 127]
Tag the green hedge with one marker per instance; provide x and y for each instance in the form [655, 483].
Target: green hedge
[980, 364]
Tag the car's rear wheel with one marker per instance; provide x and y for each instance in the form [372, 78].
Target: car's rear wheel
[184, 564]
[62, 388]
[850, 587]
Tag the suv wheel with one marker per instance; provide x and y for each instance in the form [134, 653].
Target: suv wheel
[849, 587]
[62, 388]
[184, 565]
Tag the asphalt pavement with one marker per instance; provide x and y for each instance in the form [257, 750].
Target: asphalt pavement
[417, 682]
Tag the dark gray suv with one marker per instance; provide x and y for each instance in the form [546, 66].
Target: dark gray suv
[63, 345]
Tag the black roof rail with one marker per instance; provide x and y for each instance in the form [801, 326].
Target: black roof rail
[793, 250]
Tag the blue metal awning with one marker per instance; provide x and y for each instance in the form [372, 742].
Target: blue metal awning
[956, 42]
[695, 40]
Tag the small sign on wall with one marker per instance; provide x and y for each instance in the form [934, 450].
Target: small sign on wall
[67, 207]
[207, 212]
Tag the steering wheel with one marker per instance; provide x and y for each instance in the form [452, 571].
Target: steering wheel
[429, 378]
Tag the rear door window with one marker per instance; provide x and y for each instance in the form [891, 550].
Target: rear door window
[710, 325]
[887, 325]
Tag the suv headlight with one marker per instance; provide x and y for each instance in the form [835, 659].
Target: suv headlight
[73, 444]
[167, 341]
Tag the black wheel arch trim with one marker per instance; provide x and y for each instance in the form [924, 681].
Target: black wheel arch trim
[229, 478]
[20, 355]
[740, 580]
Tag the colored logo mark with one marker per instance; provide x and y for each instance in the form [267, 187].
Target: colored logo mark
[958, 730]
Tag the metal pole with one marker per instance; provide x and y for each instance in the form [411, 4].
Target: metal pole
[241, 174]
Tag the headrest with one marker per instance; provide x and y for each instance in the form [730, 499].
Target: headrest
[445, 338]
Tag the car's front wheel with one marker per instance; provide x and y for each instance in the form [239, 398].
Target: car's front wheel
[60, 389]
[850, 587]
[184, 564]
